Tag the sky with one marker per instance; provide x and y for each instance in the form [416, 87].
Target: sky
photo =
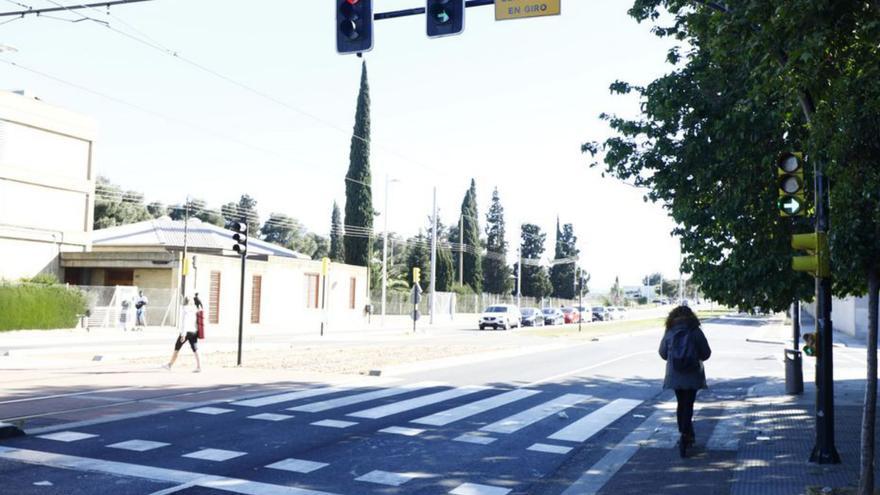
[257, 101]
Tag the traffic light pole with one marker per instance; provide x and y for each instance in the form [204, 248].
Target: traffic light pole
[241, 308]
[824, 452]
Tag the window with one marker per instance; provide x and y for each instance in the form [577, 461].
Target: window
[256, 296]
[214, 299]
[352, 298]
[312, 281]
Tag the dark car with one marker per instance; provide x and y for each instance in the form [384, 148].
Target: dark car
[553, 316]
[571, 315]
[532, 317]
[600, 314]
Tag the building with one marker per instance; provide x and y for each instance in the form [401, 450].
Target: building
[284, 290]
[47, 184]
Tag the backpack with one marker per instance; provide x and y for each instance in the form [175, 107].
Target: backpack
[683, 352]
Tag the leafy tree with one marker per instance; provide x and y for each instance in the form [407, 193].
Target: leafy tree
[535, 280]
[418, 255]
[197, 209]
[614, 291]
[652, 279]
[562, 274]
[337, 249]
[156, 209]
[472, 260]
[281, 229]
[496, 272]
[114, 207]
[358, 191]
[322, 246]
[243, 211]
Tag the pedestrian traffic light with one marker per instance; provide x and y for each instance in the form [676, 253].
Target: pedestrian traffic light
[444, 17]
[417, 274]
[817, 262]
[790, 182]
[354, 26]
[811, 344]
[240, 237]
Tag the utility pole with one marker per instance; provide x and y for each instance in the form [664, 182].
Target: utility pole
[433, 299]
[185, 266]
[461, 249]
[385, 251]
[519, 275]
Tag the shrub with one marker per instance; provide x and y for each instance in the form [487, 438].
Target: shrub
[39, 306]
[461, 290]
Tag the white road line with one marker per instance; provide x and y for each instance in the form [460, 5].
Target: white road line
[596, 421]
[388, 478]
[297, 465]
[443, 418]
[138, 445]
[474, 438]
[586, 368]
[212, 411]
[270, 416]
[425, 400]
[518, 421]
[726, 434]
[287, 397]
[71, 394]
[233, 485]
[549, 449]
[215, 455]
[364, 397]
[334, 423]
[67, 436]
[598, 475]
[402, 430]
[477, 489]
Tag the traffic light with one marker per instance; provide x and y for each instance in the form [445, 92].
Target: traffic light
[817, 261]
[240, 237]
[790, 181]
[444, 17]
[811, 344]
[417, 274]
[354, 26]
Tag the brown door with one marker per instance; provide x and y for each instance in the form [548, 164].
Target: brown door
[214, 299]
[119, 277]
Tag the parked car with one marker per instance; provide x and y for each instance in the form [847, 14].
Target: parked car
[621, 313]
[571, 315]
[503, 316]
[585, 313]
[532, 317]
[600, 314]
[553, 316]
[612, 313]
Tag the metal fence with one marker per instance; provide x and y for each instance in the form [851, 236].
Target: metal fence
[400, 303]
[107, 305]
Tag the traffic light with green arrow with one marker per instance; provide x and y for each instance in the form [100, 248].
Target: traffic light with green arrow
[444, 17]
[790, 181]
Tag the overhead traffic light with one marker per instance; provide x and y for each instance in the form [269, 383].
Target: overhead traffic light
[790, 182]
[444, 17]
[817, 262]
[354, 26]
[240, 237]
[417, 274]
[811, 344]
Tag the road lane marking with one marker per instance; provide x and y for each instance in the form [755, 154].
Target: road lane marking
[211, 411]
[234, 485]
[138, 445]
[71, 394]
[287, 397]
[334, 423]
[215, 455]
[587, 368]
[598, 475]
[297, 465]
[402, 430]
[477, 489]
[388, 478]
[475, 438]
[270, 416]
[443, 418]
[364, 397]
[525, 418]
[425, 400]
[596, 421]
[67, 436]
[549, 449]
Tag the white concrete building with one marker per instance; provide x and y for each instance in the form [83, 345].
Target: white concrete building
[47, 184]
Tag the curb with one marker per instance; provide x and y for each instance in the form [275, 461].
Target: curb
[10, 431]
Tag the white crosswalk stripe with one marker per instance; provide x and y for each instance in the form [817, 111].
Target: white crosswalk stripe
[327, 405]
[525, 418]
[415, 403]
[596, 421]
[451, 415]
[287, 397]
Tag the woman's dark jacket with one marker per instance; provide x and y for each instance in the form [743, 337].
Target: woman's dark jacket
[680, 380]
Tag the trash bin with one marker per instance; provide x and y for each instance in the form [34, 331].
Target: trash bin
[794, 372]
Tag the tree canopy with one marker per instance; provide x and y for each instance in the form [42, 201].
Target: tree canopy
[358, 189]
[496, 271]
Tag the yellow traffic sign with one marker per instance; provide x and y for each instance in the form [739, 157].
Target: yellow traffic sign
[519, 9]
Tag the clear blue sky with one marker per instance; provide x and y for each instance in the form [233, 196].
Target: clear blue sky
[507, 103]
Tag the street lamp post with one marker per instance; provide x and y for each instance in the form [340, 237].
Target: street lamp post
[385, 248]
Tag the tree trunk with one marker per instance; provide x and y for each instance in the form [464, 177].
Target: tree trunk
[866, 480]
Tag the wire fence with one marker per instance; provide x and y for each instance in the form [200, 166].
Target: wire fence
[450, 303]
[111, 307]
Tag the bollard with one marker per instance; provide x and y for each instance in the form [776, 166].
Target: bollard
[794, 373]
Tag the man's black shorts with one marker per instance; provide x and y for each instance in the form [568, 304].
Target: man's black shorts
[191, 337]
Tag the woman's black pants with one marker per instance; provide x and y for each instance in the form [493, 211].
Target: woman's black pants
[685, 411]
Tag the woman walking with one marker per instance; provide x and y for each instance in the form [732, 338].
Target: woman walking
[684, 348]
[187, 334]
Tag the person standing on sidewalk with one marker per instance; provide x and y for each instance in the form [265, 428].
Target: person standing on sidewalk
[187, 326]
[140, 307]
[684, 348]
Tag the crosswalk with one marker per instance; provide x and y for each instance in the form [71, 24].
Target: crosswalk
[482, 420]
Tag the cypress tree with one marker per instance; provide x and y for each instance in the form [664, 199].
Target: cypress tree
[358, 190]
[496, 272]
[473, 265]
[562, 274]
[337, 250]
[535, 282]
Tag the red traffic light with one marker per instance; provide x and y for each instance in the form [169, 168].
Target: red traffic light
[352, 2]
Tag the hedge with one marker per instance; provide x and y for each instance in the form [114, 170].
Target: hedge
[39, 306]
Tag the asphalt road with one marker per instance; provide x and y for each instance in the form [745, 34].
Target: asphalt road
[529, 424]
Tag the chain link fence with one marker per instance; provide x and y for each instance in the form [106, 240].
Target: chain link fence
[450, 303]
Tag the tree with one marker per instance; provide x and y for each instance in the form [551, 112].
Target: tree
[114, 207]
[445, 270]
[281, 229]
[562, 273]
[197, 209]
[322, 246]
[418, 256]
[243, 211]
[614, 292]
[358, 191]
[472, 259]
[496, 271]
[652, 279]
[337, 248]
[156, 209]
[535, 280]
